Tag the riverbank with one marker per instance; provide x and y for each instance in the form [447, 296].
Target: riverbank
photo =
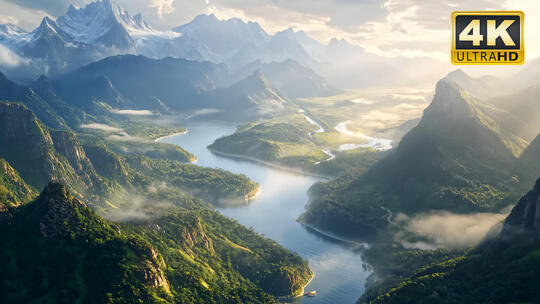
[333, 235]
[269, 164]
[254, 195]
[338, 271]
[170, 135]
[300, 294]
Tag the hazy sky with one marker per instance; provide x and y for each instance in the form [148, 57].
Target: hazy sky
[411, 28]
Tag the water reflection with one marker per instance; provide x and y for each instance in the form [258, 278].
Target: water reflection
[339, 275]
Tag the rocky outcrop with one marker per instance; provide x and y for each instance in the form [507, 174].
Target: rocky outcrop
[193, 234]
[67, 145]
[525, 217]
[151, 270]
[18, 121]
[62, 213]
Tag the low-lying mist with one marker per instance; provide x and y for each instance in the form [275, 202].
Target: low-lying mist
[448, 230]
[131, 207]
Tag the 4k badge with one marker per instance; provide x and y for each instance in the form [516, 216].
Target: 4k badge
[488, 37]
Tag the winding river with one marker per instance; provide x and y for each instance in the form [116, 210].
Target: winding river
[339, 275]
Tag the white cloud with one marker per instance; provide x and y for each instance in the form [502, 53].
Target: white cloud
[8, 19]
[9, 59]
[102, 127]
[132, 112]
[164, 7]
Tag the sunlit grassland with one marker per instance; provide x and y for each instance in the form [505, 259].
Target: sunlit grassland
[372, 111]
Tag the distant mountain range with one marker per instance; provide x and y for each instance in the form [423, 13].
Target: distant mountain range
[103, 28]
[165, 85]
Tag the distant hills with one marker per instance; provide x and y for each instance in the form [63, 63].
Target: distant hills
[290, 78]
[168, 85]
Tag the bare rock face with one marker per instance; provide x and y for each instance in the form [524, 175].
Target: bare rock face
[194, 235]
[151, 270]
[525, 217]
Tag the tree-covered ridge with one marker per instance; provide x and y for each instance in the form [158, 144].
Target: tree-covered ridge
[263, 141]
[231, 263]
[56, 249]
[98, 174]
[505, 269]
[215, 186]
[199, 256]
[155, 201]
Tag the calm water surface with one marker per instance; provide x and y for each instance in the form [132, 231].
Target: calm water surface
[339, 276]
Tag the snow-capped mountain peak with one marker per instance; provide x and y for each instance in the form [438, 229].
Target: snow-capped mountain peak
[98, 19]
[11, 29]
[49, 27]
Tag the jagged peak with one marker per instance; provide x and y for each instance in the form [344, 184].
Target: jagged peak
[213, 20]
[93, 21]
[452, 103]
[46, 22]
[49, 27]
[57, 193]
[43, 78]
[11, 29]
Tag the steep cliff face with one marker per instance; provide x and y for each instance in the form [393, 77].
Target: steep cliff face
[106, 163]
[29, 147]
[25, 143]
[525, 217]
[67, 145]
[13, 189]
